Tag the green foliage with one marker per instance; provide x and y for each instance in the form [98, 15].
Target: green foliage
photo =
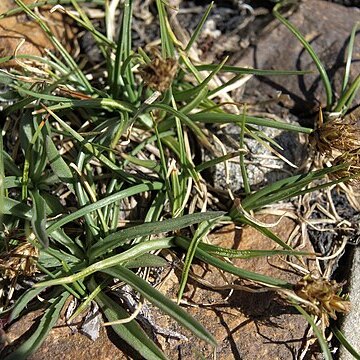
[83, 160]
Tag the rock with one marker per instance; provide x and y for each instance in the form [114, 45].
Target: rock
[350, 326]
[327, 27]
[63, 344]
[15, 28]
[246, 325]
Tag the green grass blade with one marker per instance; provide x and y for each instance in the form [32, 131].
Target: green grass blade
[9, 165]
[58, 164]
[350, 49]
[251, 71]
[39, 4]
[155, 227]
[239, 217]
[47, 322]
[2, 181]
[211, 163]
[323, 343]
[195, 91]
[311, 52]
[242, 156]
[23, 301]
[17, 208]
[167, 47]
[340, 336]
[198, 28]
[123, 48]
[244, 274]
[104, 202]
[284, 188]
[66, 56]
[185, 120]
[203, 229]
[130, 332]
[161, 301]
[247, 254]
[224, 118]
[38, 220]
[349, 95]
[146, 260]
[125, 256]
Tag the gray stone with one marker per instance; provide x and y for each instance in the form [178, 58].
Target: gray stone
[327, 26]
[351, 324]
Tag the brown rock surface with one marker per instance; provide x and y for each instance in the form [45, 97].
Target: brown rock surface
[63, 344]
[327, 26]
[246, 325]
[15, 28]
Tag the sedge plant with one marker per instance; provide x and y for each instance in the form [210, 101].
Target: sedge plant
[100, 179]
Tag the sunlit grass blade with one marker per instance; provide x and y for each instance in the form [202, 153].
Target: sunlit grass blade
[348, 96]
[155, 227]
[310, 50]
[243, 170]
[241, 219]
[130, 332]
[123, 52]
[322, 341]
[350, 49]
[211, 163]
[146, 260]
[127, 255]
[343, 341]
[248, 254]
[39, 4]
[167, 46]
[185, 120]
[197, 89]
[285, 188]
[198, 28]
[103, 202]
[161, 301]
[251, 71]
[38, 220]
[66, 56]
[244, 274]
[202, 230]
[46, 323]
[225, 118]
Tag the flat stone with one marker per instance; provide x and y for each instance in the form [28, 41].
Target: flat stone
[15, 28]
[62, 343]
[246, 325]
[327, 26]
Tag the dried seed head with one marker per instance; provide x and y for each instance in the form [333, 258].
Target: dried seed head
[19, 260]
[352, 160]
[160, 73]
[323, 294]
[337, 136]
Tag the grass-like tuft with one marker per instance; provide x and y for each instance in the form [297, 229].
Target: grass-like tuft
[100, 173]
